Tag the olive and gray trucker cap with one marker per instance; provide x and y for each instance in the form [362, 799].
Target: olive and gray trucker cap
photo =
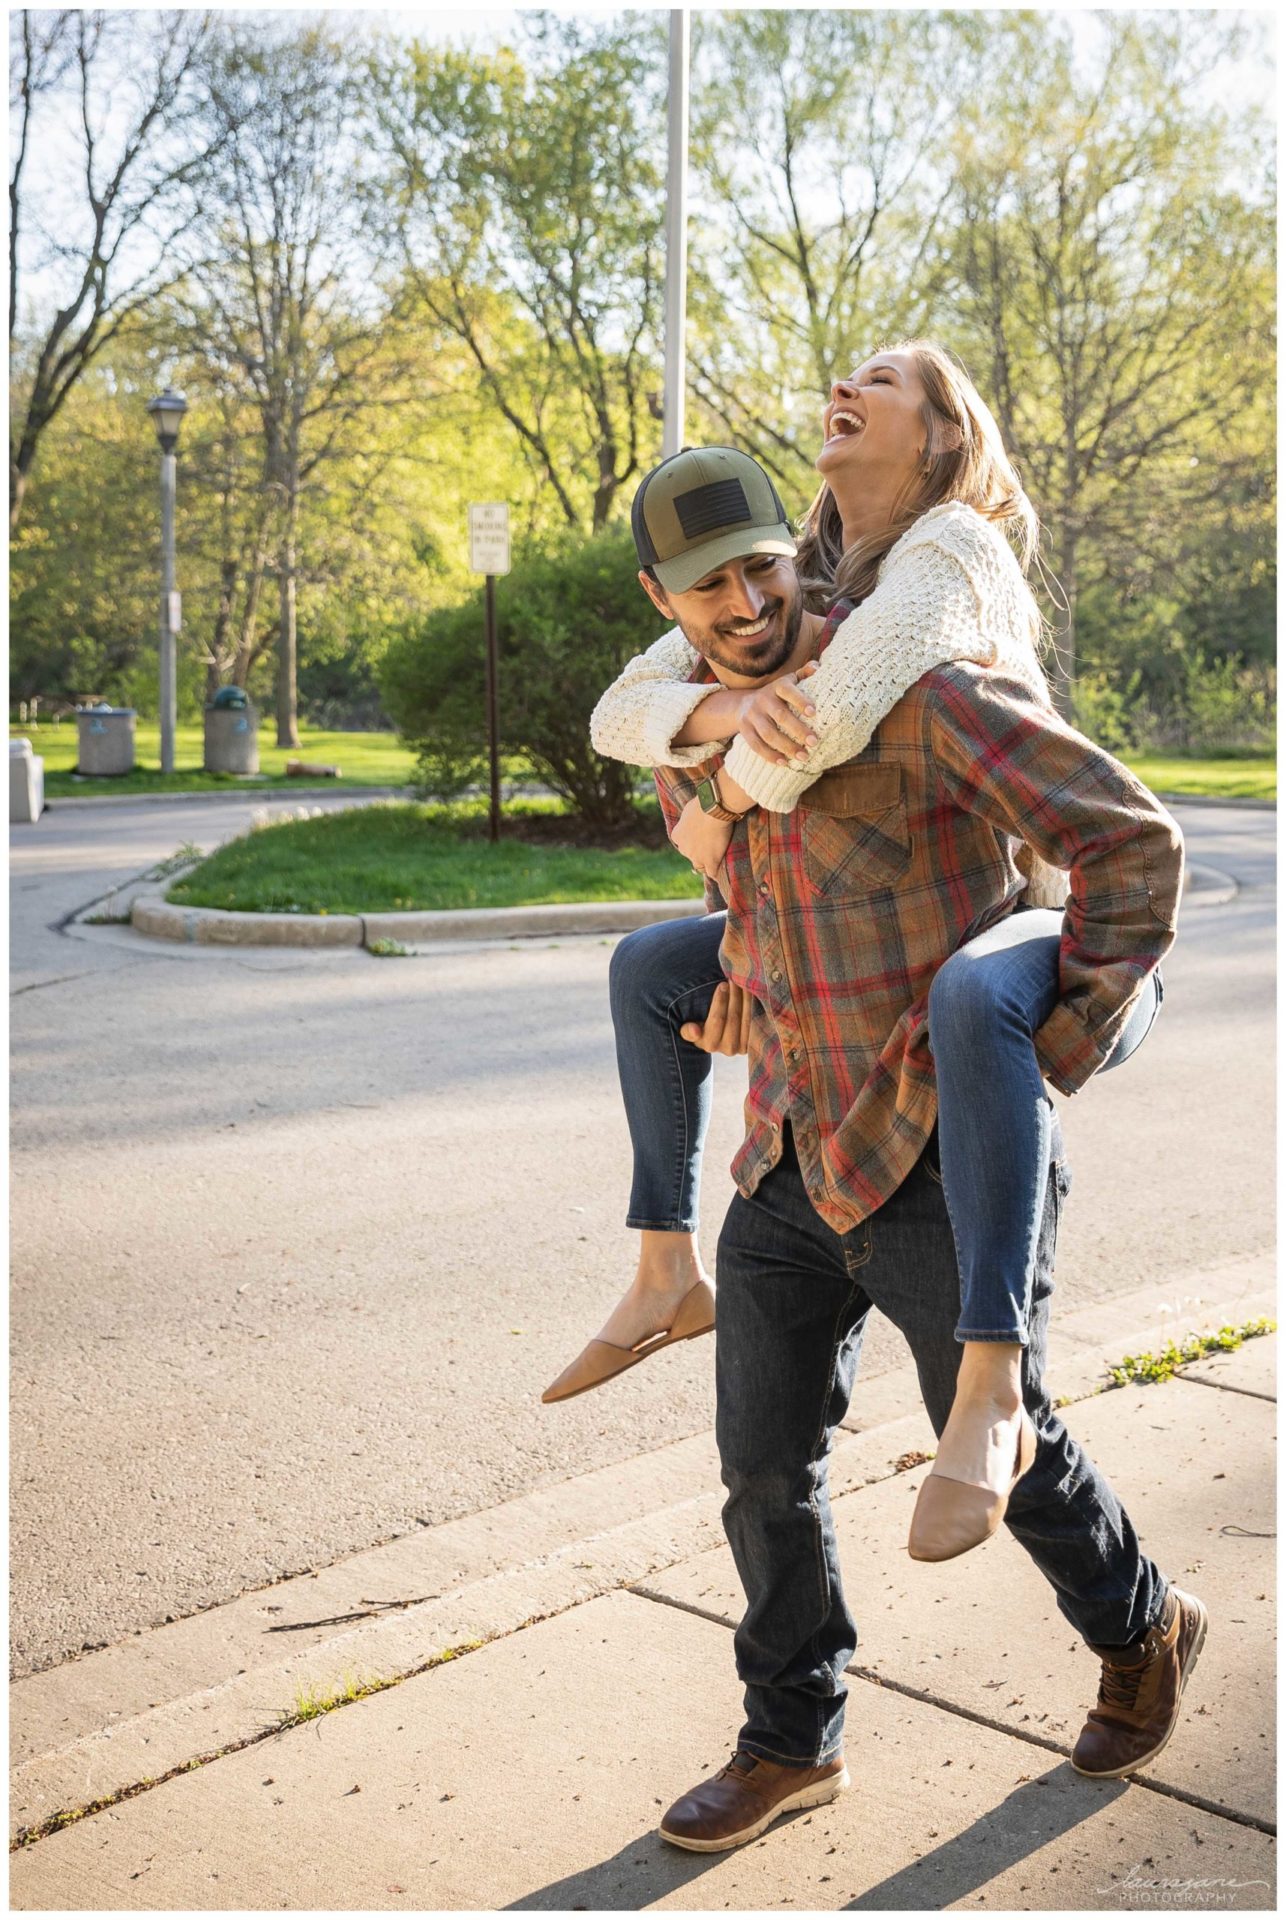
[701, 508]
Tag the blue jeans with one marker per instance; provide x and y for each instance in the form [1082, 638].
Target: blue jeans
[660, 978]
[995, 1117]
[794, 1297]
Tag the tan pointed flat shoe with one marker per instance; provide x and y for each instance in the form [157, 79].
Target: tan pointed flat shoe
[953, 1515]
[601, 1359]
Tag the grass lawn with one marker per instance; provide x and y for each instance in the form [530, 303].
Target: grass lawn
[364, 760]
[379, 859]
[1250, 777]
[382, 760]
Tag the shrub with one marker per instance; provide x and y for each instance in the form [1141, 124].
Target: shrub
[1107, 713]
[1228, 707]
[1146, 684]
[567, 621]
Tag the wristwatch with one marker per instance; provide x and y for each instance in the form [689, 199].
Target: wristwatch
[711, 803]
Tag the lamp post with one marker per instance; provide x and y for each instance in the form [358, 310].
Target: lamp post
[167, 411]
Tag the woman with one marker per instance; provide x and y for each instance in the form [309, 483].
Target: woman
[909, 524]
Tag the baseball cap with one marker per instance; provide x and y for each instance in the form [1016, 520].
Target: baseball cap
[701, 508]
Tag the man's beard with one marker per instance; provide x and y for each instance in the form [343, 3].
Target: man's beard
[759, 659]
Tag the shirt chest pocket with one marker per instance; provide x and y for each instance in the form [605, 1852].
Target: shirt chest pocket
[855, 834]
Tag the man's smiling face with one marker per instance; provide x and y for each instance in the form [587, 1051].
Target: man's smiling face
[744, 617]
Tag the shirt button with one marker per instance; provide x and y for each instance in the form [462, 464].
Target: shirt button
[763, 886]
[775, 974]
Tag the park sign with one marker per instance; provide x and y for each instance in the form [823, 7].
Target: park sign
[489, 539]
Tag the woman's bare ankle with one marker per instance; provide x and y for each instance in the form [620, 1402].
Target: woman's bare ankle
[669, 1267]
[668, 1262]
[991, 1372]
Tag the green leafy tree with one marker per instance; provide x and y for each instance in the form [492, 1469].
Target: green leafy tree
[280, 297]
[567, 621]
[817, 209]
[84, 561]
[1113, 239]
[526, 197]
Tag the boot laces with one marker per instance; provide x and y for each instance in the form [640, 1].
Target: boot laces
[1120, 1685]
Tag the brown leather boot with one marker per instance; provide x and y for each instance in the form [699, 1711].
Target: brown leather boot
[1140, 1692]
[745, 1797]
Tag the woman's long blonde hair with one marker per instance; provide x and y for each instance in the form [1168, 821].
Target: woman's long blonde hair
[964, 459]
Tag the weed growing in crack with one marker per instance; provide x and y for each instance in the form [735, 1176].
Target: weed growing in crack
[1145, 1369]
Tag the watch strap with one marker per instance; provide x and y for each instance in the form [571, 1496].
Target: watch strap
[716, 810]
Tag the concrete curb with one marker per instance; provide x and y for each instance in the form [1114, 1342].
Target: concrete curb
[1207, 887]
[152, 914]
[211, 926]
[91, 1727]
[501, 923]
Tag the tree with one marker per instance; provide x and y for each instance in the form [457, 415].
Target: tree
[230, 522]
[818, 213]
[105, 242]
[83, 562]
[381, 538]
[1112, 249]
[527, 203]
[281, 298]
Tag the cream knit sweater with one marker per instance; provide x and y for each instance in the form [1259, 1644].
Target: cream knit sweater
[949, 589]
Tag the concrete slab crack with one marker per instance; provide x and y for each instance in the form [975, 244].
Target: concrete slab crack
[60, 980]
[953, 1707]
[1225, 1386]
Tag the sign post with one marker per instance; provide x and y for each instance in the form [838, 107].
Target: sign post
[489, 555]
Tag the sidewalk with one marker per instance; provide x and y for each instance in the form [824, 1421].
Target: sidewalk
[529, 1771]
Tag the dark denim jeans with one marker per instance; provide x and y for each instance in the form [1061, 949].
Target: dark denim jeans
[794, 1297]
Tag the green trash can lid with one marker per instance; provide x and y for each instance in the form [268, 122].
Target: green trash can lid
[230, 697]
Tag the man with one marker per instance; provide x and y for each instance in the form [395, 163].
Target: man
[839, 914]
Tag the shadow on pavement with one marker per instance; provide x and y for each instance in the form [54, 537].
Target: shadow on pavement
[1003, 1837]
[647, 1870]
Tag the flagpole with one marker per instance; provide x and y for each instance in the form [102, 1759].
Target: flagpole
[676, 236]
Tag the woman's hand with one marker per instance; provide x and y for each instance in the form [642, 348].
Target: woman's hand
[774, 720]
[702, 839]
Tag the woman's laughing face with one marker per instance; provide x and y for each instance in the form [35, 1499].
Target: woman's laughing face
[873, 424]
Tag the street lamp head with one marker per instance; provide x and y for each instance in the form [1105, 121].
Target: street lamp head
[167, 410]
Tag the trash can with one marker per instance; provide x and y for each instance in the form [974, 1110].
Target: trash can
[26, 782]
[105, 739]
[231, 733]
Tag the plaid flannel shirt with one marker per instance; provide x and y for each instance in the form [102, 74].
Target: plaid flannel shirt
[841, 912]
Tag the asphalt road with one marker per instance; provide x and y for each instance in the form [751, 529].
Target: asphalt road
[298, 1239]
